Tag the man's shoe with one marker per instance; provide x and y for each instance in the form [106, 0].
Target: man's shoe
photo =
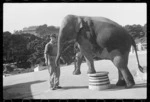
[58, 87]
[53, 88]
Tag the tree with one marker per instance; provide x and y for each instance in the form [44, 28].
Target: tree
[42, 30]
[136, 31]
[37, 48]
[6, 48]
[69, 54]
[46, 30]
[15, 48]
[144, 38]
[145, 29]
[18, 32]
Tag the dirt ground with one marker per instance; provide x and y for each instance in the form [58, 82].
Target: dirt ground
[35, 85]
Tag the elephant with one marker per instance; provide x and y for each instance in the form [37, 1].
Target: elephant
[100, 37]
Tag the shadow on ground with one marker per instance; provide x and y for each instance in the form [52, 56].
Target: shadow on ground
[21, 90]
[74, 87]
[112, 88]
[115, 88]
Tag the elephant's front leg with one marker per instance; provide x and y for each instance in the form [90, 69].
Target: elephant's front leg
[90, 64]
[89, 60]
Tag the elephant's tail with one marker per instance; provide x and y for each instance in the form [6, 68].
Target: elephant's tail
[135, 48]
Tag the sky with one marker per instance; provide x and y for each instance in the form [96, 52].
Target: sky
[16, 16]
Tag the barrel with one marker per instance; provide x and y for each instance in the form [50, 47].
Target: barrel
[99, 81]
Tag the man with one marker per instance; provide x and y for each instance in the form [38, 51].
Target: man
[50, 53]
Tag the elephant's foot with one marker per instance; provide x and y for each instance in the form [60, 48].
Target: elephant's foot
[130, 84]
[91, 72]
[76, 72]
[121, 83]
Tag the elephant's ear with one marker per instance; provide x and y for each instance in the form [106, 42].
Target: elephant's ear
[79, 24]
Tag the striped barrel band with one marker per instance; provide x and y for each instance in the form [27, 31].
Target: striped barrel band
[99, 80]
[99, 84]
[102, 73]
[105, 77]
[99, 76]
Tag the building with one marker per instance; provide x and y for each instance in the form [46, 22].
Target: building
[140, 47]
[144, 46]
[31, 30]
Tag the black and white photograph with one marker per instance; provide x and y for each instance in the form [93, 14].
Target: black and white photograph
[74, 51]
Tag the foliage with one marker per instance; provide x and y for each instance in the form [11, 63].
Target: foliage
[136, 31]
[15, 48]
[46, 30]
[6, 49]
[145, 29]
[37, 50]
[18, 32]
[69, 54]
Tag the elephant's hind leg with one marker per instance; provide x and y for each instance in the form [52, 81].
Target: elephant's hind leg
[128, 77]
[121, 81]
[120, 61]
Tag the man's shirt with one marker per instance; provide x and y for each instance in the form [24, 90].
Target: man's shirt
[51, 49]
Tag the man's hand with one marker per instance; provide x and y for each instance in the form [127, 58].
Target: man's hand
[46, 62]
[61, 58]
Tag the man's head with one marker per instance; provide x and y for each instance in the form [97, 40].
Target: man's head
[53, 37]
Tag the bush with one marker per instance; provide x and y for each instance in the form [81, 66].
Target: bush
[23, 65]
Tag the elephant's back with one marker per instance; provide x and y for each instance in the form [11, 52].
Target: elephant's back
[105, 20]
[114, 38]
[111, 35]
[101, 20]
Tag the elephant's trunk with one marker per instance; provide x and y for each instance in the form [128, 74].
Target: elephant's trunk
[57, 60]
[66, 36]
[59, 53]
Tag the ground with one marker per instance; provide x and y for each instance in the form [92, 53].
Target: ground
[34, 85]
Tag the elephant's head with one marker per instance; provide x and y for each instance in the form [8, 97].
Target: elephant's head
[69, 31]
